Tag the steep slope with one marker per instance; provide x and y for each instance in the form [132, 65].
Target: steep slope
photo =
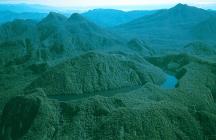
[206, 30]
[94, 72]
[140, 47]
[28, 118]
[145, 113]
[74, 32]
[26, 47]
[52, 27]
[88, 35]
[55, 36]
[112, 17]
[172, 25]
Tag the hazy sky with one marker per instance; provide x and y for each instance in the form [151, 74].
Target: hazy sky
[148, 4]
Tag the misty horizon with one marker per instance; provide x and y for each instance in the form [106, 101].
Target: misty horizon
[123, 7]
[107, 70]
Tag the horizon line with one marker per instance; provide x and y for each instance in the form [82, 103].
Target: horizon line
[208, 6]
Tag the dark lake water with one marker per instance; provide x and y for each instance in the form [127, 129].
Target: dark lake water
[87, 95]
[170, 83]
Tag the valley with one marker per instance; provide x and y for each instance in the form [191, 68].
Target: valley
[107, 74]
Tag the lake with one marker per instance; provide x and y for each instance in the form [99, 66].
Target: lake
[170, 82]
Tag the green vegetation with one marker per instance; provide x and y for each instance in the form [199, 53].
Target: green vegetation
[66, 78]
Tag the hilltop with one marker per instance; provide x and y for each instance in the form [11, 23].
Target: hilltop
[152, 76]
[93, 72]
[170, 26]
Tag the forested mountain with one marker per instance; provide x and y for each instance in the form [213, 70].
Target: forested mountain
[168, 27]
[93, 76]
[112, 17]
[56, 32]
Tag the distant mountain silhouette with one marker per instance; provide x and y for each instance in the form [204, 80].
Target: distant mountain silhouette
[111, 17]
[54, 35]
[6, 16]
[172, 24]
[180, 14]
[10, 12]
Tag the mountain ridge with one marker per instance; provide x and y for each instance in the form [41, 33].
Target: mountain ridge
[111, 17]
[161, 25]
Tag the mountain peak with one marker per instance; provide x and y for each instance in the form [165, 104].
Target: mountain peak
[76, 17]
[186, 10]
[53, 16]
[56, 15]
[181, 6]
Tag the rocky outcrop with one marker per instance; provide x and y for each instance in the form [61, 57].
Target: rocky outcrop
[28, 117]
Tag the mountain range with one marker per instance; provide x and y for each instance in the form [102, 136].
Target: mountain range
[174, 25]
[108, 75]
[6, 16]
[112, 17]
[55, 33]
[170, 28]
[101, 17]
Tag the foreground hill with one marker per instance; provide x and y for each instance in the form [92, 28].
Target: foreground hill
[111, 17]
[186, 112]
[94, 72]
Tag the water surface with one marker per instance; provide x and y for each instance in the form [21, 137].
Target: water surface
[170, 82]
